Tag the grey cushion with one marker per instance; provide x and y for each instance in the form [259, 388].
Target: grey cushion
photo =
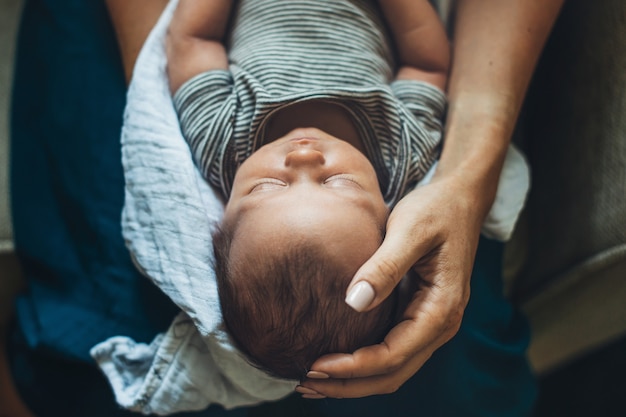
[573, 238]
[575, 128]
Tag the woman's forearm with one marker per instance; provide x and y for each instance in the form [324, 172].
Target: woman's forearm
[495, 50]
[133, 20]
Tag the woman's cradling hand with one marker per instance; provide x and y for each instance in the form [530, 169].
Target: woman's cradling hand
[434, 230]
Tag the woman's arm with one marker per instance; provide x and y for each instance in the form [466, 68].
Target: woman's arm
[421, 41]
[497, 45]
[435, 228]
[133, 21]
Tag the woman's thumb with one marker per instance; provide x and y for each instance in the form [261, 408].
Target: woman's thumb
[377, 278]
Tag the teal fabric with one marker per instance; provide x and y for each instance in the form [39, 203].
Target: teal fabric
[482, 371]
[67, 195]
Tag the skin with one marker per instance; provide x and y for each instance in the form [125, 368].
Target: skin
[133, 21]
[420, 40]
[307, 185]
[195, 39]
[196, 34]
[435, 229]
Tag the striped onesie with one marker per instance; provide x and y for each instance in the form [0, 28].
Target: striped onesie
[287, 51]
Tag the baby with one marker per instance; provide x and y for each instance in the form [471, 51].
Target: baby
[312, 120]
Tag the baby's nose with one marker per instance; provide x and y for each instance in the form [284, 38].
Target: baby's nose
[304, 156]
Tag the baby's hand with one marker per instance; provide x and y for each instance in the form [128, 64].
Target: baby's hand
[421, 41]
[194, 39]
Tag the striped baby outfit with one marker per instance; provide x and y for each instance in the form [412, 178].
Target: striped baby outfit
[286, 51]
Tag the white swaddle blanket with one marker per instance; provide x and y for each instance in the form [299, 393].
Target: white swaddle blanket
[168, 213]
[167, 218]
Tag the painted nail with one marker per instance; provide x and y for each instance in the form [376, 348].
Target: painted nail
[306, 391]
[360, 296]
[313, 397]
[317, 375]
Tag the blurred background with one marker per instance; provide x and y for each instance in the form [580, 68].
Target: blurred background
[9, 15]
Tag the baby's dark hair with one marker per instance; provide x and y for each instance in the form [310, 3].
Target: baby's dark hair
[285, 310]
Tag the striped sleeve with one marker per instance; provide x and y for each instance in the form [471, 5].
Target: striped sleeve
[425, 101]
[423, 106]
[205, 105]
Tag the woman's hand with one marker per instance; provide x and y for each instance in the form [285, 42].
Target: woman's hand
[435, 230]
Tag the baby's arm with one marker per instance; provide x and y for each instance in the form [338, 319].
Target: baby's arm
[421, 41]
[194, 39]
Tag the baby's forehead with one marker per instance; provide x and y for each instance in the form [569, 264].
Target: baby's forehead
[347, 239]
[308, 220]
[322, 212]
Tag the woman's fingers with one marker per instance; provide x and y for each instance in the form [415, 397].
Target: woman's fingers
[382, 358]
[363, 387]
[378, 277]
[431, 319]
[357, 384]
[425, 326]
[425, 232]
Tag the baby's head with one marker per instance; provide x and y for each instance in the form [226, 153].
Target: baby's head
[304, 214]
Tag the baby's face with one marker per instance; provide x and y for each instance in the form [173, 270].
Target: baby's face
[303, 185]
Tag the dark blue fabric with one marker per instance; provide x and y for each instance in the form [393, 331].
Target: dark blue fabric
[482, 371]
[67, 185]
[67, 195]
[57, 387]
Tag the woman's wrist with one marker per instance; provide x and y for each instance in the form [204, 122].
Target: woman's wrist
[473, 196]
[487, 84]
[476, 141]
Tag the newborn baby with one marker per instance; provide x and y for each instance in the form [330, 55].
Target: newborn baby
[304, 214]
[312, 122]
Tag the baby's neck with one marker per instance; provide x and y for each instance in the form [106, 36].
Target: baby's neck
[331, 118]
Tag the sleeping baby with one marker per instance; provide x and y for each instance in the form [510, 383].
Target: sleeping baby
[313, 119]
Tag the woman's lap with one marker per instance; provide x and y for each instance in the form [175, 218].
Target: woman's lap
[67, 194]
[482, 371]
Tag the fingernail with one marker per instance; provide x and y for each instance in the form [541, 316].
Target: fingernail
[317, 375]
[360, 296]
[313, 397]
[306, 391]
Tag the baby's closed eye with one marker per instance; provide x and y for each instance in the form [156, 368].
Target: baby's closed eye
[342, 180]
